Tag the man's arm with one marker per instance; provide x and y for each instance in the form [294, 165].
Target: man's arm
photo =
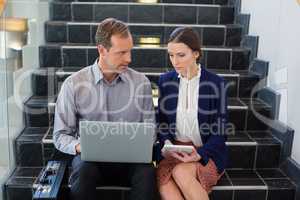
[148, 107]
[148, 113]
[64, 133]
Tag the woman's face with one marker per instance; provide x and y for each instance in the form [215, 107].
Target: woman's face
[182, 57]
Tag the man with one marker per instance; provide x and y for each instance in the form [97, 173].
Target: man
[106, 91]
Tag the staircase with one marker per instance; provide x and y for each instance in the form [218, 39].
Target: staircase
[255, 152]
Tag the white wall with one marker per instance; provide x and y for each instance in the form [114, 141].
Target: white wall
[276, 22]
[17, 81]
[37, 12]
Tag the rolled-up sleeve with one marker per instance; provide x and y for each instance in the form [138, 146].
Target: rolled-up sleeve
[65, 130]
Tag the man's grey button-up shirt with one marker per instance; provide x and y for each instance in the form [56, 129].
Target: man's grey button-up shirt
[86, 95]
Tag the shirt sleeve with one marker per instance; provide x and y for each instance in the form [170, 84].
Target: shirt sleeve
[65, 130]
[148, 107]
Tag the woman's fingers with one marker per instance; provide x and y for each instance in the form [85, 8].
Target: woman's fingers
[177, 156]
[182, 156]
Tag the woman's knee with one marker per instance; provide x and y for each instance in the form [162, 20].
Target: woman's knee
[182, 173]
[170, 191]
[179, 172]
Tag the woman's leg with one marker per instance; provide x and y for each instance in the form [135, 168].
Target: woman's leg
[185, 176]
[170, 191]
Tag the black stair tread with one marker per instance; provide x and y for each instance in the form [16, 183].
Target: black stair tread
[235, 102]
[280, 184]
[139, 69]
[269, 141]
[45, 101]
[29, 172]
[276, 179]
[256, 102]
[247, 182]
[30, 138]
[57, 22]
[183, 3]
[158, 70]
[40, 101]
[242, 174]
[161, 1]
[20, 182]
[260, 134]
[142, 46]
[143, 33]
[34, 130]
[45, 71]
[238, 137]
[271, 173]
[258, 137]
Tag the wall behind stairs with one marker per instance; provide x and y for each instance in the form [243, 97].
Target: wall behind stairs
[276, 22]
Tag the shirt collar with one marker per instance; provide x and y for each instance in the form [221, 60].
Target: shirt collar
[98, 74]
[198, 75]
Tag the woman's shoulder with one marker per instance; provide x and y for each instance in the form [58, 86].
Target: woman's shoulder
[211, 76]
[168, 76]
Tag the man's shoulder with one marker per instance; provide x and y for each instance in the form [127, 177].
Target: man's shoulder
[136, 76]
[81, 75]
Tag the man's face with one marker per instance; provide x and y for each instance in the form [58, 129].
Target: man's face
[118, 56]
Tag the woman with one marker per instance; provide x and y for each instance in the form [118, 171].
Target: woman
[192, 111]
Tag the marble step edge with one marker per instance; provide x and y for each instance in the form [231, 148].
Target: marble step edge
[146, 46]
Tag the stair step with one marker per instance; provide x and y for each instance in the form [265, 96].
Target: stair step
[219, 2]
[143, 33]
[67, 55]
[269, 184]
[254, 153]
[257, 145]
[146, 13]
[39, 112]
[47, 81]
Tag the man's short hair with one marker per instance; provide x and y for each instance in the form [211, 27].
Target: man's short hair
[109, 27]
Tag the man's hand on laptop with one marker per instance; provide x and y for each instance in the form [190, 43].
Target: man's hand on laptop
[78, 149]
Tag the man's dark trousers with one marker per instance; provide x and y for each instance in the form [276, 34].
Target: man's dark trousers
[86, 176]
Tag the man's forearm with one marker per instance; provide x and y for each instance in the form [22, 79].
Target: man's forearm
[65, 143]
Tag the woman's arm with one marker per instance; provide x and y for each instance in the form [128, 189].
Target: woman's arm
[163, 124]
[215, 147]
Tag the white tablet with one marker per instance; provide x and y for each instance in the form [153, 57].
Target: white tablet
[178, 148]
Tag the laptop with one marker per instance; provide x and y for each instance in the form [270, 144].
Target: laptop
[121, 142]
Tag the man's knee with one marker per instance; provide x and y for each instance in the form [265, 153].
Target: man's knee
[83, 171]
[145, 171]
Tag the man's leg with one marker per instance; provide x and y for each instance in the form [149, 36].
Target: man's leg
[143, 182]
[83, 180]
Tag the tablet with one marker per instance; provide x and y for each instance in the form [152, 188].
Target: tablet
[178, 148]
